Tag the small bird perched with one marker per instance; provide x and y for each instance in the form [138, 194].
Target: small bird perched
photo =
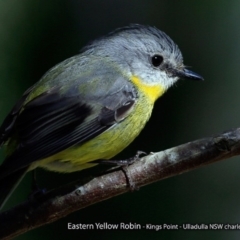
[90, 106]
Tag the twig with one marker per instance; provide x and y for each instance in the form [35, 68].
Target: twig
[154, 167]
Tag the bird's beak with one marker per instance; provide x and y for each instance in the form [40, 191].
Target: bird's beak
[187, 74]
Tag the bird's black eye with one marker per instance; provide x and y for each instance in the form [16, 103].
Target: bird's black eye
[156, 60]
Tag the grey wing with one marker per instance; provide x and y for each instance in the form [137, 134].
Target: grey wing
[53, 122]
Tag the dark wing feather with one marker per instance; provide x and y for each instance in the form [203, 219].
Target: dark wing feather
[52, 122]
[49, 124]
[50, 113]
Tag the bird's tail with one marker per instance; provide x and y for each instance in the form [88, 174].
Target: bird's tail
[9, 183]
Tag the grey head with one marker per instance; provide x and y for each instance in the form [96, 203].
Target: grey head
[142, 51]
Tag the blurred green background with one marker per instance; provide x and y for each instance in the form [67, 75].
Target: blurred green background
[36, 35]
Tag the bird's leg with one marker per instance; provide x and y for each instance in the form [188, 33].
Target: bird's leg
[123, 165]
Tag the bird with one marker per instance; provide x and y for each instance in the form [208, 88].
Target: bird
[90, 106]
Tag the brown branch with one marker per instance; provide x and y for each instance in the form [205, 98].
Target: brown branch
[154, 167]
